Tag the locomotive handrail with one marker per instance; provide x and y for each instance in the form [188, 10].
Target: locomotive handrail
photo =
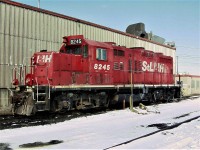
[15, 72]
[22, 74]
[49, 94]
[33, 95]
[36, 88]
[24, 65]
[11, 92]
[19, 71]
[49, 89]
[48, 83]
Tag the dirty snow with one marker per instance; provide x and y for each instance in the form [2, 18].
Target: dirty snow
[106, 130]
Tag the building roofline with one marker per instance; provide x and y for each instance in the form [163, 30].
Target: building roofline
[78, 20]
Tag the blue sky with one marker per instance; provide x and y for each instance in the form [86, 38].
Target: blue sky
[174, 20]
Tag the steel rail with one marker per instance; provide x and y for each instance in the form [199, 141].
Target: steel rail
[152, 133]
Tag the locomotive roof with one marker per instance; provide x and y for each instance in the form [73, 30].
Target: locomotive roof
[96, 43]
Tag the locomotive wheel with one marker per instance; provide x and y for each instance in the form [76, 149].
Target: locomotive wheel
[59, 105]
[64, 106]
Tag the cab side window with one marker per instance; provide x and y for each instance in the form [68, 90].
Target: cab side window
[118, 52]
[101, 54]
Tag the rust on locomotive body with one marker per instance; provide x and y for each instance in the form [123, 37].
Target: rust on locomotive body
[87, 74]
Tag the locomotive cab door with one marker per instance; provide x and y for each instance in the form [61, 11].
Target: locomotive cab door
[78, 56]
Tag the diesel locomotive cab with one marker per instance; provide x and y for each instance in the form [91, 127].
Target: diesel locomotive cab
[74, 45]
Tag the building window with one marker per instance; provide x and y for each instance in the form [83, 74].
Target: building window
[101, 54]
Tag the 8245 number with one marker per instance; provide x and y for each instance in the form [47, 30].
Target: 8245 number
[101, 67]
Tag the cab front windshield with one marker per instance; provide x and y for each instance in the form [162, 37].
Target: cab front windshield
[74, 50]
[77, 50]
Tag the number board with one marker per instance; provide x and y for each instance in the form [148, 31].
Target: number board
[75, 41]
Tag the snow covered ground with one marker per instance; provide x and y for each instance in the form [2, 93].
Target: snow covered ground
[112, 128]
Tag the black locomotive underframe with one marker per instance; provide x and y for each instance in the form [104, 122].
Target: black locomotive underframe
[46, 98]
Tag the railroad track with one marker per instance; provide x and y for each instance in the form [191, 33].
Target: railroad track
[43, 118]
[162, 128]
[168, 124]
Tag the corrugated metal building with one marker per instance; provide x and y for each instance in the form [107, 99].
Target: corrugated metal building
[25, 29]
[190, 84]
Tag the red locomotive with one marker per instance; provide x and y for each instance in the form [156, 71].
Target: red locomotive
[88, 74]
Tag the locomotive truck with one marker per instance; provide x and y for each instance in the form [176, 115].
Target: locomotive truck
[87, 74]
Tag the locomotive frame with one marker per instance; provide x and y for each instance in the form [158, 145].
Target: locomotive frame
[87, 74]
